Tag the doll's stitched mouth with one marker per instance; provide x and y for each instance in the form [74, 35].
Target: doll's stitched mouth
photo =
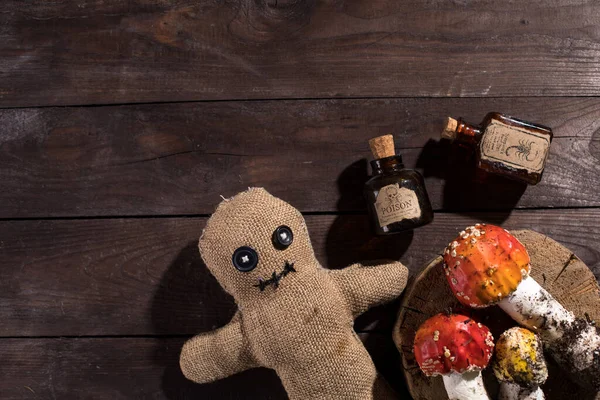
[275, 277]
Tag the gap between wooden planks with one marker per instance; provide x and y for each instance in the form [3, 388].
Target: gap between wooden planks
[145, 277]
[178, 159]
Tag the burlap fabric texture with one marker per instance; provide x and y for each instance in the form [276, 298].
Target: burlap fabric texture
[302, 327]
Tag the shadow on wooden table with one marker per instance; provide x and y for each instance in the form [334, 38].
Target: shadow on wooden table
[350, 184]
[466, 187]
[387, 361]
[189, 300]
[350, 239]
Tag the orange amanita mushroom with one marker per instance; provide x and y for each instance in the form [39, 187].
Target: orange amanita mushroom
[457, 348]
[486, 265]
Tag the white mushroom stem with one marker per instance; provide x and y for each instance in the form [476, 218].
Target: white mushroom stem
[465, 386]
[533, 307]
[512, 391]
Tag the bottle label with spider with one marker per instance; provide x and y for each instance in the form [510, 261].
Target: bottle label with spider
[394, 204]
[516, 147]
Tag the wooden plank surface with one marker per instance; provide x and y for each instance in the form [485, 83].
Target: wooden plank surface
[178, 159]
[92, 52]
[140, 368]
[145, 276]
[115, 368]
[131, 282]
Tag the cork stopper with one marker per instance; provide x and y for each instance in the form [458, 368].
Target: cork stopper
[382, 146]
[449, 131]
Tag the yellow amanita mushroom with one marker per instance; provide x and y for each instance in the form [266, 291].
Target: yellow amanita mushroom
[519, 365]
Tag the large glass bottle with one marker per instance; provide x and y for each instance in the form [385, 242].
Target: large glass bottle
[505, 145]
[396, 196]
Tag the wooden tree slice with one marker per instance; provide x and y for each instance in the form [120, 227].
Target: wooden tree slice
[553, 266]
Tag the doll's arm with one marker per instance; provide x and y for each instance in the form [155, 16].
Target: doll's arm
[366, 286]
[217, 354]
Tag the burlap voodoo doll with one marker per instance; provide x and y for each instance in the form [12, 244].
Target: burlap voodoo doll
[294, 316]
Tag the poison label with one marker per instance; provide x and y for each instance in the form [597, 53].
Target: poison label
[394, 204]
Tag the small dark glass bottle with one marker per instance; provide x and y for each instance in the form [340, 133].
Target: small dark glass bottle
[396, 196]
[505, 145]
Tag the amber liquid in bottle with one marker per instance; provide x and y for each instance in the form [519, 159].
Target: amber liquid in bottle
[396, 197]
[505, 145]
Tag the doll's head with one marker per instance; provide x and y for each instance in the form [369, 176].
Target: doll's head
[256, 244]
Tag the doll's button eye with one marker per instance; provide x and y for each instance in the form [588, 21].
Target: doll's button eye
[282, 237]
[245, 258]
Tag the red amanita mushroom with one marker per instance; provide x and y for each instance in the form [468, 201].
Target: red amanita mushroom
[486, 265]
[457, 348]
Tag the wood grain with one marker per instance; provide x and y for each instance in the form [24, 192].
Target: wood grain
[179, 158]
[90, 52]
[109, 277]
[117, 368]
[145, 277]
[554, 267]
[140, 368]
